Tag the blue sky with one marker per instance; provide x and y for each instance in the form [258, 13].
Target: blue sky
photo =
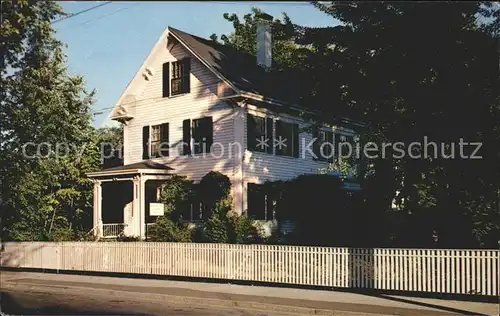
[107, 45]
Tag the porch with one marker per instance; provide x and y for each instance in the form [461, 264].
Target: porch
[122, 196]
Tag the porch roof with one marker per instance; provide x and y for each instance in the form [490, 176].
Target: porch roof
[143, 167]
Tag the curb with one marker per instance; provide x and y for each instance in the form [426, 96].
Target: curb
[12, 284]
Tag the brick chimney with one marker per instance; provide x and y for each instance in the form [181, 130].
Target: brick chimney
[264, 40]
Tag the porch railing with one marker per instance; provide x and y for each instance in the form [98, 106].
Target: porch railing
[112, 230]
[147, 229]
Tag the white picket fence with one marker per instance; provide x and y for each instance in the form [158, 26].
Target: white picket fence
[424, 270]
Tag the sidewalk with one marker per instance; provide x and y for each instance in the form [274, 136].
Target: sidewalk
[257, 297]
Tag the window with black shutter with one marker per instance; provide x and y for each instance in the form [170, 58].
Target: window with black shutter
[202, 131]
[158, 144]
[324, 146]
[287, 139]
[261, 202]
[180, 81]
[155, 140]
[259, 133]
[176, 77]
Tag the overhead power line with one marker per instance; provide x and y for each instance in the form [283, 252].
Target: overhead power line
[71, 15]
[263, 3]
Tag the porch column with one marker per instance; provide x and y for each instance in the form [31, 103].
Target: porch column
[142, 201]
[137, 206]
[238, 189]
[97, 216]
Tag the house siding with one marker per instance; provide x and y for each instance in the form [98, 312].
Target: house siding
[152, 109]
[260, 167]
[149, 107]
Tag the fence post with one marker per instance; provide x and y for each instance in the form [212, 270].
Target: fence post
[57, 254]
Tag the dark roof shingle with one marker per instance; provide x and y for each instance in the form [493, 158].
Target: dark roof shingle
[147, 164]
[241, 69]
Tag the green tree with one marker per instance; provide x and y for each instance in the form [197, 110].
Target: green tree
[411, 70]
[110, 140]
[245, 33]
[40, 102]
[177, 194]
[220, 223]
[415, 70]
[166, 230]
[214, 188]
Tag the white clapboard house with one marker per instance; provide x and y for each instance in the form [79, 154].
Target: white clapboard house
[196, 106]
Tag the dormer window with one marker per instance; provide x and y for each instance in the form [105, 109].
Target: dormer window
[176, 78]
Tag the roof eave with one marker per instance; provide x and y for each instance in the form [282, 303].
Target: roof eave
[104, 173]
[258, 97]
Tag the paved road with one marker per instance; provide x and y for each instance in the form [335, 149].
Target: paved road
[68, 302]
[66, 294]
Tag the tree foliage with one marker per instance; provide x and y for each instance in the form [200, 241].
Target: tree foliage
[245, 33]
[167, 230]
[177, 194]
[411, 70]
[220, 223]
[44, 192]
[214, 188]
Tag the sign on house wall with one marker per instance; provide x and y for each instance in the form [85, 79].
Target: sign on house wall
[156, 209]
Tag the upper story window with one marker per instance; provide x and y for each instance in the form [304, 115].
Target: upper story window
[260, 133]
[176, 77]
[287, 139]
[200, 133]
[155, 141]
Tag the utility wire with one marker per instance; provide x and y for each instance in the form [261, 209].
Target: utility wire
[71, 15]
[281, 3]
[110, 13]
[102, 16]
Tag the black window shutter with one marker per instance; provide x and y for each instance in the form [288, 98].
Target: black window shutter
[251, 200]
[256, 202]
[186, 137]
[166, 80]
[269, 135]
[145, 142]
[208, 132]
[279, 132]
[186, 84]
[329, 137]
[338, 147]
[269, 198]
[296, 147]
[164, 145]
[317, 143]
[251, 138]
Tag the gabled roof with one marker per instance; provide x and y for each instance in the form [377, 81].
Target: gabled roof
[238, 69]
[241, 69]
